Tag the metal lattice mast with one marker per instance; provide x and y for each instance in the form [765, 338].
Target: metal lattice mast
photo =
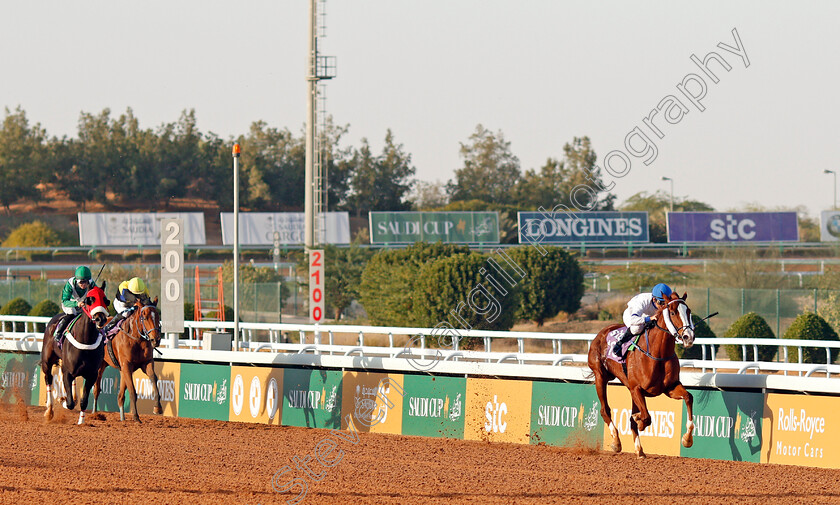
[319, 68]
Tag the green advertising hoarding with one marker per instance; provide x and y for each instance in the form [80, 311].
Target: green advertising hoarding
[19, 374]
[452, 227]
[434, 406]
[312, 398]
[204, 391]
[565, 414]
[727, 425]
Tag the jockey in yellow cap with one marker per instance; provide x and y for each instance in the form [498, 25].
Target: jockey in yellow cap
[130, 293]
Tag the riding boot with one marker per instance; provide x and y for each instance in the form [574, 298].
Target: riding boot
[621, 341]
[116, 319]
[60, 326]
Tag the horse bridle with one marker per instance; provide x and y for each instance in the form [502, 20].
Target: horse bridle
[671, 329]
[145, 334]
[668, 323]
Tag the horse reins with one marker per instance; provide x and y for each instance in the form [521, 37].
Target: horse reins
[144, 333]
[667, 331]
[651, 356]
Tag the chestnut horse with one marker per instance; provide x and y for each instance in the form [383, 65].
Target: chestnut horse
[81, 353]
[133, 346]
[652, 369]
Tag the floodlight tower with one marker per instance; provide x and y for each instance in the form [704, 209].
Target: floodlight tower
[319, 68]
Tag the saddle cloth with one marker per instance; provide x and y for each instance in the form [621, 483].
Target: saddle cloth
[612, 338]
[116, 329]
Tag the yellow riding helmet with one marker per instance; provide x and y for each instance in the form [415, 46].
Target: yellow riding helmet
[137, 286]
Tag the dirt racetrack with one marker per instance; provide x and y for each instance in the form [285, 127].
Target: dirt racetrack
[167, 460]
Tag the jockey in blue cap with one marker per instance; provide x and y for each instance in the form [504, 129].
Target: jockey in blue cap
[638, 315]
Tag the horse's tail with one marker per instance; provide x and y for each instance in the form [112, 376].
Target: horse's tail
[589, 376]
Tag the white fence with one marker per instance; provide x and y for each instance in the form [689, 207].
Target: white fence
[315, 345]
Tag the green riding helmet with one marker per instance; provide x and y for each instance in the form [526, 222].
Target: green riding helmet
[83, 274]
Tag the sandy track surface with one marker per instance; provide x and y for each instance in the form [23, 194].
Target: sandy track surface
[166, 460]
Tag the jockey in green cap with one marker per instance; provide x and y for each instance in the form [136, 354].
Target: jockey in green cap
[72, 298]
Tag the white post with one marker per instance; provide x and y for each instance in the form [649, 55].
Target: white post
[236, 151]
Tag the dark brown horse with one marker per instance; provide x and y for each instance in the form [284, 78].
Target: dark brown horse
[81, 353]
[133, 347]
[652, 369]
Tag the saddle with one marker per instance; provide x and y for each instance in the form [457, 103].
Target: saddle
[116, 329]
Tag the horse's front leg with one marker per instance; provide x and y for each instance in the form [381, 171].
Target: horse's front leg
[634, 428]
[69, 400]
[641, 416]
[83, 399]
[46, 368]
[125, 380]
[678, 392]
[132, 393]
[150, 372]
[97, 386]
[601, 389]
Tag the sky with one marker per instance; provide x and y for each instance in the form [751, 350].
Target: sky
[539, 71]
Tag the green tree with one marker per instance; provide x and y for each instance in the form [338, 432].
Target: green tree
[428, 196]
[45, 308]
[380, 182]
[175, 157]
[17, 307]
[23, 158]
[455, 281]
[809, 326]
[552, 283]
[564, 182]
[343, 275]
[750, 325]
[387, 286]
[33, 234]
[490, 172]
[273, 168]
[98, 157]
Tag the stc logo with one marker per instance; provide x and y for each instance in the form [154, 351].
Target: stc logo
[732, 229]
[494, 412]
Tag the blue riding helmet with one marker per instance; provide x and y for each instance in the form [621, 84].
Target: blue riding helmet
[660, 291]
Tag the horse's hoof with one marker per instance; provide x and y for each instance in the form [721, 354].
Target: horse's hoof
[49, 415]
[157, 410]
[64, 404]
[642, 455]
[687, 442]
[616, 447]
[137, 420]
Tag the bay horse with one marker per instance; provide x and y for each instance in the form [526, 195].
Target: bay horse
[651, 371]
[81, 353]
[133, 348]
